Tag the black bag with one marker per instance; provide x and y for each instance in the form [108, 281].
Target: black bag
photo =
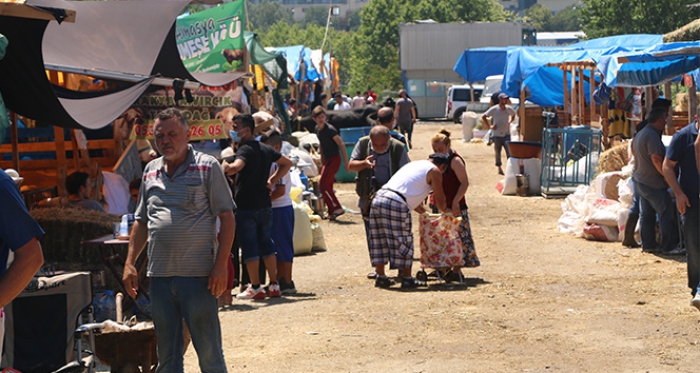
[373, 188]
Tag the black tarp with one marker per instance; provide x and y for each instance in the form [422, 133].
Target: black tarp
[128, 37]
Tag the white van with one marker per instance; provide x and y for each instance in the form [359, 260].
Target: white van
[492, 84]
[458, 96]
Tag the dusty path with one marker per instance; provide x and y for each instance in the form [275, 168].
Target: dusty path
[541, 301]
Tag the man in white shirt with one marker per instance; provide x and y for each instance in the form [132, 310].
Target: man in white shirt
[340, 103]
[502, 116]
[358, 100]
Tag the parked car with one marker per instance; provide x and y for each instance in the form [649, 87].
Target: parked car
[492, 84]
[458, 96]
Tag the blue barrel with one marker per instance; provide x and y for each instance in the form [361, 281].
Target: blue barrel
[342, 176]
[353, 134]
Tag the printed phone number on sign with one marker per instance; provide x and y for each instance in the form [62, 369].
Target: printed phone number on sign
[204, 131]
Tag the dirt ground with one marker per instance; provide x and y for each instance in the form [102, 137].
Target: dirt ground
[541, 301]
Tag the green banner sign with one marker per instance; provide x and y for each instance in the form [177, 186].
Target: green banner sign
[211, 41]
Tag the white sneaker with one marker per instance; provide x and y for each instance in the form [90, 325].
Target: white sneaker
[696, 301]
[274, 290]
[251, 293]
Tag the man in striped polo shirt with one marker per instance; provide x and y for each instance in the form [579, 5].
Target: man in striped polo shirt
[182, 194]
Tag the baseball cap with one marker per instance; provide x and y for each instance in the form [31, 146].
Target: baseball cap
[661, 102]
[502, 95]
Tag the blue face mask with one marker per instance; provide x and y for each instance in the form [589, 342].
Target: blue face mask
[234, 136]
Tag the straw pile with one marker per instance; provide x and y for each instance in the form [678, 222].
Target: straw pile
[65, 229]
[613, 159]
[681, 102]
[689, 32]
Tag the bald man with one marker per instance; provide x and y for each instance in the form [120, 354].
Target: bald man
[385, 116]
[375, 158]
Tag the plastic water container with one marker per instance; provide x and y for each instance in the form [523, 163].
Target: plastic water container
[304, 179]
[106, 308]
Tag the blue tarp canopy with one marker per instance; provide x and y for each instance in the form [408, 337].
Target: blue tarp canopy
[296, 56]
[478, 63]
[529, 66]
[293, 54]
[656, 65]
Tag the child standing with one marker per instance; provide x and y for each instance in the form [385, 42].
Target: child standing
[282, 220]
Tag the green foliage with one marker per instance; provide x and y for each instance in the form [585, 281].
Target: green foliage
[601, 18]
[353, 22]
[540, 16]
[266, 13]
[315, 15]
[567, 20]
[193, 8]
[366, 43]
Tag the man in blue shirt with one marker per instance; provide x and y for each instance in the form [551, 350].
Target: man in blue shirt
[20, 233]
[681, 154]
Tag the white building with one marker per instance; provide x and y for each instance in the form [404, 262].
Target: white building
[341, 8]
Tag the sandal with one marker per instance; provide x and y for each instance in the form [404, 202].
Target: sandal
[412, 282]
[334, 215]
[372, 275]
[384, 282]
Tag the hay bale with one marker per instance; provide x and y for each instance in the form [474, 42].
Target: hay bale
[689, 32]
[681, 101]
[65, 229]
[613, 159]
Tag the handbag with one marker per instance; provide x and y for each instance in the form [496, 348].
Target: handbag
[373, 188]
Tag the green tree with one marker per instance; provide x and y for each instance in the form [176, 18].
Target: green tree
[281, 34]
[569, 19]
[374, 61]
[540, 16]
[480, 11]
[601, 18]
[342, 43]
[353, 22]
[266, 13]
[375, 54]
[315, 15]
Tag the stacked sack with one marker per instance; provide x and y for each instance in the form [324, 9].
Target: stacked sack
[599, 211]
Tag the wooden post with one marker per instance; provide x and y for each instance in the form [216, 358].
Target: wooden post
[574, 102]
[521, 113]
[60, 140]
[649, 94]
[581, 98]
[76, 154]
[15, 141]
[669, 117]
[591, 93]
[692, 100]
[566, 98]
[60, 157]
[605, 125]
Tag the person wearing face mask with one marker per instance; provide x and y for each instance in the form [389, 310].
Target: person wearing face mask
[376, 158]
[252, 195]
[455, 183]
